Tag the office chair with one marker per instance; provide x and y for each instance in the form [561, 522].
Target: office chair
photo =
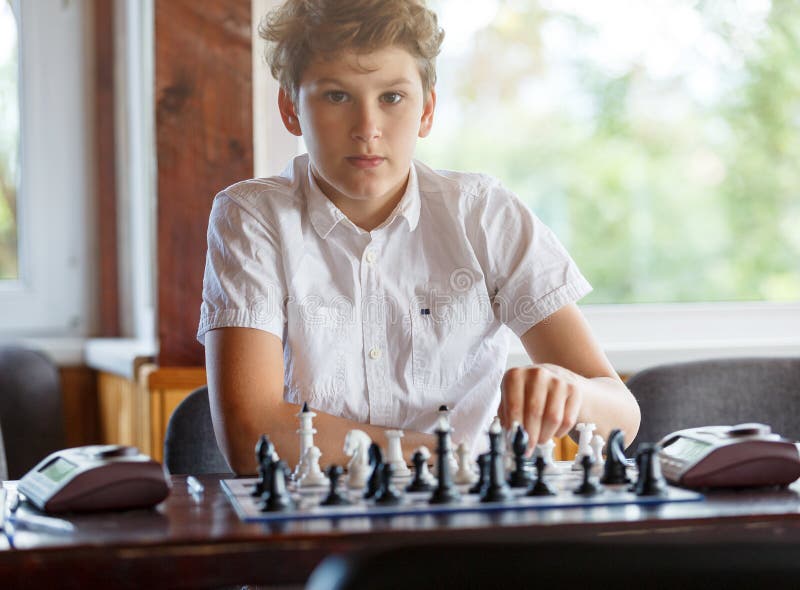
[561, 564]
[718, 392]
[31, 408]
[190, 445]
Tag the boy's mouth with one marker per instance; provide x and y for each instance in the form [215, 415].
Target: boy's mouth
[365, 161]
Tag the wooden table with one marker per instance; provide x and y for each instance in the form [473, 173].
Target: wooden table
[195, 542]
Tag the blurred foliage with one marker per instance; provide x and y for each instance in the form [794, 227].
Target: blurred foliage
[661, 193]
[9, 145]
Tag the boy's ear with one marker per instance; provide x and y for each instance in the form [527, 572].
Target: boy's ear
[426, 122]
[288, 113]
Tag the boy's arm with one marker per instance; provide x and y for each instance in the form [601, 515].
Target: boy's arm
[245, 385]
[571, 381]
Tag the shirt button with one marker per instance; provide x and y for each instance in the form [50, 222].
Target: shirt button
[371, 256]
[375, 353]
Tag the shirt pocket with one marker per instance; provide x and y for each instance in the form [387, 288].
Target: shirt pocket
[318, 340]
[445, 329]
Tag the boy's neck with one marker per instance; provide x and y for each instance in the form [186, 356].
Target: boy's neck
[366, 214]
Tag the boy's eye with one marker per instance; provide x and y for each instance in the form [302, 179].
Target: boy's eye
[391, 97]
[336, 96]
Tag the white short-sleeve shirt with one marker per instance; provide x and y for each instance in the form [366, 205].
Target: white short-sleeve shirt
[385, 326]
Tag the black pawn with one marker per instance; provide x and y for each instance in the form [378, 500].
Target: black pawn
[279, 499]
[587, 488]
[375, 461]
[520, 478]
[484, 462]
[496, 489]
[334, 497]
[540, 487]
[387, 494]
[264, 451]
[615, 468]
[650, 481]
[445, 492]
[418, 484]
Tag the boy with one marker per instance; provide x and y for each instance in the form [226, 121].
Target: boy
[374, 288]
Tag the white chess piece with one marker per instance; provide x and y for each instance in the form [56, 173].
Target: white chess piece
[306, 432]
[597, 452]
[394, 453]
[312, 476]
[356, 446]
[584, 443]
[465, 473]
[545, 451]
[426, 475]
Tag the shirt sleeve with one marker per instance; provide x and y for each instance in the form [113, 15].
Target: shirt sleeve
[527, 268]
[243, 283]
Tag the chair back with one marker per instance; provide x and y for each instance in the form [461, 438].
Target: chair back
[31, 408]
[190, 445]
[3, 464]
[718, 392]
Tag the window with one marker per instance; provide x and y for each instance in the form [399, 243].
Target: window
[45, 291]
[9, 142]
[660, 140]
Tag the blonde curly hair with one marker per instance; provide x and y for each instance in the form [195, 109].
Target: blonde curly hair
[300, 31]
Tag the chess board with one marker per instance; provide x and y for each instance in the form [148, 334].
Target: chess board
[563, 482]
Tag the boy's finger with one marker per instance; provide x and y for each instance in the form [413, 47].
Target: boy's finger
[512, 398]
[535, 400]
[553, 415]
[571, 409]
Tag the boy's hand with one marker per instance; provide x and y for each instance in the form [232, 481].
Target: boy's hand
[544, 398]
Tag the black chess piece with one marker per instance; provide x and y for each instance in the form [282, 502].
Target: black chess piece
[445, 492]
[650, 482]
[587, 487]
[264, 451]
[334, 497]
[615, 468]
[496, 488]
[387, 494]
[375, 462]
[519, 478]
[540, 487]
[418, 484]
[278, 499]
[484, 463]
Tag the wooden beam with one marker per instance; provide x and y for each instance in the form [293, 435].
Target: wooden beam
[105, 174]
[204, 137]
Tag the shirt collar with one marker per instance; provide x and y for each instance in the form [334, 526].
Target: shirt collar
[325, 215]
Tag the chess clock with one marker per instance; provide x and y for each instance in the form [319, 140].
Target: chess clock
[742, 456]
[95, 478]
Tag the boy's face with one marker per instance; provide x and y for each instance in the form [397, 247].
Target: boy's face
[360, 116]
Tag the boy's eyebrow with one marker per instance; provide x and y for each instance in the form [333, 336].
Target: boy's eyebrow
[337, 82]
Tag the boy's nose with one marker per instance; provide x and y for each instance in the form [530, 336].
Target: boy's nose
[366, 127]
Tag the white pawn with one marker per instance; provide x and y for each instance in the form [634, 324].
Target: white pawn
[426, 475]
[584, 443]
[545, 451]
[464, 474]
[394, 453]
[312, 476]
[597, 452]
[356, 446]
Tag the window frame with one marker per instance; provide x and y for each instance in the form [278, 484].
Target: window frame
[51, 296]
